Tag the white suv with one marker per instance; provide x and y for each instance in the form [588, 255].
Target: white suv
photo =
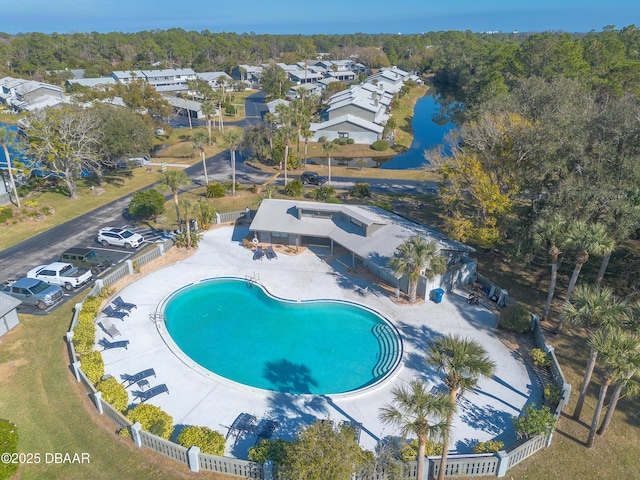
[119, 237]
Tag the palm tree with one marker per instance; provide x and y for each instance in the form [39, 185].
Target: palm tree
[8, 137]
[219, 97]
[287, 132]
[414, 257]
[233, 138]
[328, 148]
[172, 180]
[463, 362]
[187, 209]
[199, 139]
[209, 110]
[550, 232]
[620, 351]
[306, 133]
[626, 386]
[587, 239]
[593, 308]
[271, 119]
[416, 411]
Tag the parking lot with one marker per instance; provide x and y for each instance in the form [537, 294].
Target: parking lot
[118, 255]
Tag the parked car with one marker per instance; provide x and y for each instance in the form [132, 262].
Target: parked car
[312, 178]
[61, 273]
[86, 258]
[119, 237]
[133, 162]
[32, 291]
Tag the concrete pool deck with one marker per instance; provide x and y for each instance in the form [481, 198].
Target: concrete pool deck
[199, 398]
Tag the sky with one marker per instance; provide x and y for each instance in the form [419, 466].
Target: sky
[324, 16]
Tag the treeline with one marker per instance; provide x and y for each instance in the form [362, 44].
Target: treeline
[469, 65]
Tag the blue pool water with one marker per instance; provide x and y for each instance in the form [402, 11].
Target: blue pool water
[234, 329]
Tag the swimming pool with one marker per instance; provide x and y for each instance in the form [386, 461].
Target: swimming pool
[236, 329]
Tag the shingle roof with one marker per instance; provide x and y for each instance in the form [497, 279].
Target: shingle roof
[374, 127]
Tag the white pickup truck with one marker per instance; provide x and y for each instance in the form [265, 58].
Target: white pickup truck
[62, 274]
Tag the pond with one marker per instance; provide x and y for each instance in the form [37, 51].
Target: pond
[430, 125]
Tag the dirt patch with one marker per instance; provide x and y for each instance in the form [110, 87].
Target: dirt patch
[11, 344]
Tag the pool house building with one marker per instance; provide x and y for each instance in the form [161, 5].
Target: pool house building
[359, 235]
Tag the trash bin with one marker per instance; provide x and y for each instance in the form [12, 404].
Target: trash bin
[436, 295]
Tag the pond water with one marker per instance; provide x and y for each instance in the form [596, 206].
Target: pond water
[430, 125]
[428, 132]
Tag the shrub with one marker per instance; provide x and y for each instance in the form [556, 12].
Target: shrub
[180, 239]
[31, 203]
[490, 446]
[350, 141]
[208, 440]
[84, 336]
[385, 205]
[229, 109]
[294, 188]
[540, 358]
[215, 190]
[293, 162]
[114, 393]
[5, 214]
[92, 365]
[361, 190]
[8, 445]
[275, 450]
[324, 193]
[229, 186]
[91, 306]
[147, 204]
[153, 419]
[380, 145]
[409, 450]
[552, 394]
[106, 292]
[535, 421]
[515, 318]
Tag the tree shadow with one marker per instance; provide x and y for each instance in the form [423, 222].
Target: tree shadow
[286, 376]
[507, 385]
[293, 411]
[495, 422]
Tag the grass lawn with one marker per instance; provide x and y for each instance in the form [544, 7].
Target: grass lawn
[53, 413]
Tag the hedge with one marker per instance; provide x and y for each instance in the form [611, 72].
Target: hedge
[114, 393]
[92, 365]
[208, 440]
[380, 145]
[153, 419]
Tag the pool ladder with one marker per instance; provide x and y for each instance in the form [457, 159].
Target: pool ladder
[156, 317]
[252, 279]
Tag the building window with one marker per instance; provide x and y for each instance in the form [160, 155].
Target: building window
[279, 235]
[343, 134]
